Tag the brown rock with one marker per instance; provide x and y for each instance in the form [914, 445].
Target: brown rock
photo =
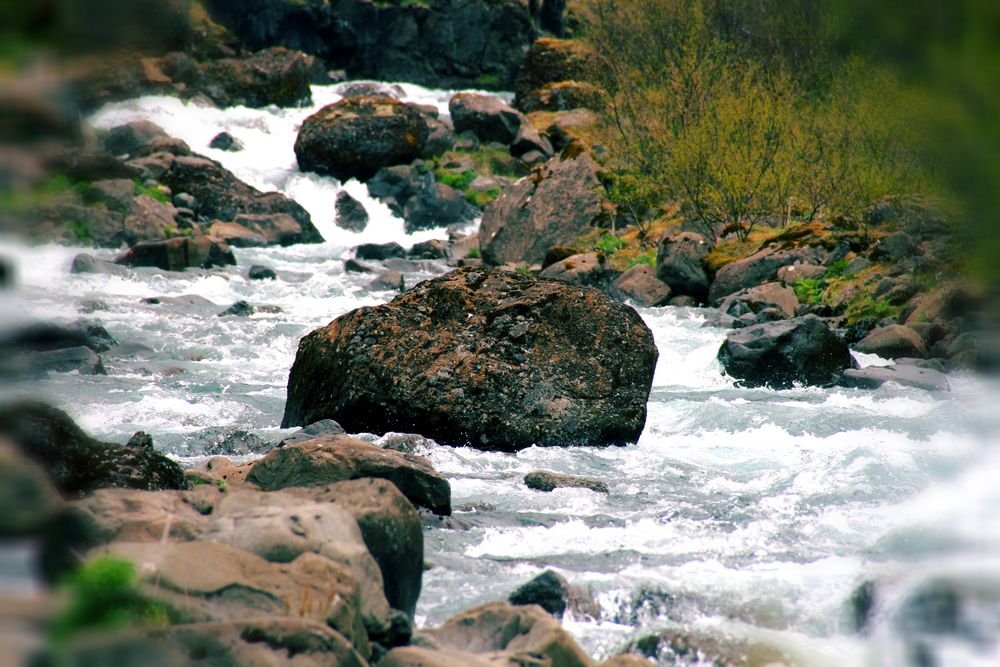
[554, 206]
[756, 299]
[484, 357]
[336, 458]
[760, 267]
[582, 269]
[640, 284]
[273, 76]
[893, 342]
[357, 136]
[486, 116]
[549, 481]
[179, 253]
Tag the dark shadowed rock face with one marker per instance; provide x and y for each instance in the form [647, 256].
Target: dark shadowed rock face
[357, 136]
[802, 350]
[273, 76]
[483, 357]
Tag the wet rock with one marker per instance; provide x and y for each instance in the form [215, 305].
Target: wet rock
[260, 272]
[802, 350]
[486, 116]
[129, 138]
[371, 88]
[354, 266]
[77, 463]
[548, 590]
[334, 458]
[893, 342]
[66, 360]
[683, 301]
[379, 251]
[235, 235]
[907, 375]
[550, 481]
[357, 136]
[224, 141]
[412, 193]
[485, 629]
[322, 427]
[433, 249]
[182, 300]
[179, 253]
[84, 263]
[7, 272]
[757, 269]
[582, 269]
[222, 196]
[756, 299]
[351, 214]
[239, 309]
[640, 284]
[234, 442]
[492, 359]
[274, 76]
[276, 228]
[388, 280]
[528, 141]
[46, 336]
[552, 207]
[28, 503]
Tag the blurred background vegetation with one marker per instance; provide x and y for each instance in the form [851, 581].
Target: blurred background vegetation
[744, 111]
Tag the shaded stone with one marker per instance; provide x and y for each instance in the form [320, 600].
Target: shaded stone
[260, 272]
[549, 481]
[679, 264]
[756, 299]
[84, 263]
[780, 354]
[759, 268]
[907, 375]
[379, 251]
[486, 116]
[179, 253]
[640, 284]
[548, 590]
[351, 214]
[239, 309]
[224, 141]
[893, 342]
[273, 76]
[582, 269]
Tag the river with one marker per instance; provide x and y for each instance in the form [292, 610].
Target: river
[747, 512]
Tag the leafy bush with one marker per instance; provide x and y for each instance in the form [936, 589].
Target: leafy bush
[155, 193]
[609, 244]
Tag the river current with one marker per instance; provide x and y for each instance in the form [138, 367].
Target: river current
[749, 513]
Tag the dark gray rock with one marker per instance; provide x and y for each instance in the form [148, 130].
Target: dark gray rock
[260, 272]
[679, 264]
[907, 375]
[379, 251]
[224, 141]
[549, 590]
[84, 263]
[351, 214]
[549, 481]
[487, 117]
[802, 350]
[239, 309]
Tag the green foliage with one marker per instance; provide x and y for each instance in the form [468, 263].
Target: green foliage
[648, 258]
[459, 181]
[156, 193]
[222, 485]
[609, 244]
[809, 290]
[482, 197]
[488, 81]
[104, 594]
[81, 231]
[739, 127]
[474, 253]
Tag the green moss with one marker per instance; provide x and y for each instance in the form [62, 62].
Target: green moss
[488, 81]
[474, 254]
[156, 193]
[459, 181]
[105, 594]
[81, 231]
[481, 198]
[648, 258]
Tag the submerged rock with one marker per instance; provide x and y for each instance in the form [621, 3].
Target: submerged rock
[893, 342]
[779, 354]
[549, 481]
[907, 375]
[357, 136]
[224, 141]
[179, 253]
[351, 214]
[483, 357]
[549, 590]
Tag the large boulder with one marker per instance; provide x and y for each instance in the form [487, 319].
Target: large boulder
[273, 76]
[803, 350]
[78, 463]
[357, 136]
[179, 253]
[589, 268]
[679, 264]
[554, 206]
[222, 196]
[335, 458]
[486, 116]
[552, 76]
[351, 214]
[907, 375]
[483, 357]
[640, 284]
[755, 299]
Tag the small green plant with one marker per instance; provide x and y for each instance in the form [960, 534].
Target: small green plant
[489, 81]
[481, 198]
[105, 594]
[459, 181]
[648, 258]
[609, 244]
[81, 231]
[809, 290]
[223, 485]
[474, 254]
[524, 271]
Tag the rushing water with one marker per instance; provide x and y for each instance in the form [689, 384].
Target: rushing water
[749, 512]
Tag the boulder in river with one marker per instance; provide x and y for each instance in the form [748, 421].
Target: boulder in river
[548, 590]
[481, 357]
[553, 206]
[802, 350]
[640, 284]
[179, 253]
[224, 141]
[893, 342]
[549, 481]
[351, 213]
[357, 136]
[908, 375]
[273, 76]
